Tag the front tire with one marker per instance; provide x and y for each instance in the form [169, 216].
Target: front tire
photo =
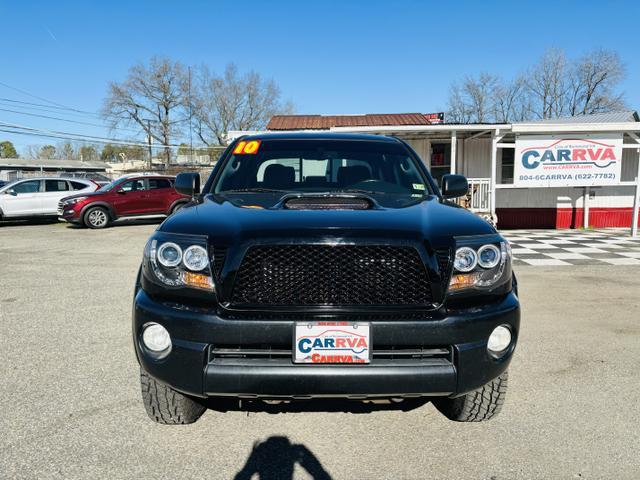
[96, 217]
[478, 406]
[176, 207]
[166, 406]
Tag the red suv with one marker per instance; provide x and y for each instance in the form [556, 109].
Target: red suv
[128, 196]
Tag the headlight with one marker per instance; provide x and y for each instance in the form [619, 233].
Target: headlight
[466, 259]
[488, 256]
[169, 254]
[177, 261]
[481, 266]
[195, 258]
[73, 201]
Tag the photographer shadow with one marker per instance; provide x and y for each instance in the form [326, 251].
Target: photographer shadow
[276, 458]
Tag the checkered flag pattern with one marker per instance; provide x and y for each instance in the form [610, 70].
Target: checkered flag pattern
[573, 247]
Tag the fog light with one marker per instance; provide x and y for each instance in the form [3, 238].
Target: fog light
[156, 338]
[499, 340]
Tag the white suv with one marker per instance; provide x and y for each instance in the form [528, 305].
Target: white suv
[39, 197]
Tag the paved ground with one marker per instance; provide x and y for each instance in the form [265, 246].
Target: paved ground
[574, 247]
[70, 400]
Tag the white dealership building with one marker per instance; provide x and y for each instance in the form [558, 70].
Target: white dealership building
[562, 173]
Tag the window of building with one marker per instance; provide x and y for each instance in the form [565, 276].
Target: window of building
[440, 161]
[506, 165]
[55, 186]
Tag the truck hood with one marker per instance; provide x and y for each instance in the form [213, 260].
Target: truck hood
[230, 221]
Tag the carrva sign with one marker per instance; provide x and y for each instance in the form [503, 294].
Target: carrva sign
[567, 161]
[332, 342]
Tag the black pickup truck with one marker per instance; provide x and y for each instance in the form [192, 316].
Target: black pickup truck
[324, 265]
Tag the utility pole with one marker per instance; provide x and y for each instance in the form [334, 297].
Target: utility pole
[149, 139]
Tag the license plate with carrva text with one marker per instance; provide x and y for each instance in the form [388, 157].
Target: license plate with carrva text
[332, 342]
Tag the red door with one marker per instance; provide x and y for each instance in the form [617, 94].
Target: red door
[159, 192]
[131, 198]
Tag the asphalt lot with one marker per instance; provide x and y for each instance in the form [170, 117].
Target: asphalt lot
[71, 408]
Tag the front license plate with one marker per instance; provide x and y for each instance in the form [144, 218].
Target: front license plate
[332, 342]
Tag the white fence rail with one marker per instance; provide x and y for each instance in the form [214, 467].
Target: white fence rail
[479, 198]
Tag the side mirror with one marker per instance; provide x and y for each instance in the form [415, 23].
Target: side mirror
[188, 183]
[121, 192]
[11, 191]
[454, 186]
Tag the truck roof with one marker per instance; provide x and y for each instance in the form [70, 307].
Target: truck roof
[320, 136]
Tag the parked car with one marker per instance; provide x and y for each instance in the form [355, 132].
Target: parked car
[324, 265]
[128, 196]
[39, 197]
[96, 177]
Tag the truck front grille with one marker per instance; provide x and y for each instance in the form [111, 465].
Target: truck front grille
[299, 275]
[397, 353]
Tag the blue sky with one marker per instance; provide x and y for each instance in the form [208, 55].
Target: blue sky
[327, 56]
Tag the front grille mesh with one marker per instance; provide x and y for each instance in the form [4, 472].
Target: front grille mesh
[299, 275]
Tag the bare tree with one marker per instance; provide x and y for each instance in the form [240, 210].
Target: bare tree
[473, 100]
[47, 151]
[232, 102]
[511, 102]
[31, 152]
[66, 151]
[150, 97]
[547, 84]
[481, 93]
[593, 79]
[552, 88]
[457, 108]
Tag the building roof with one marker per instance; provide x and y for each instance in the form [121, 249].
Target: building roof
[46, 163]
[325, 122]
[608, 117]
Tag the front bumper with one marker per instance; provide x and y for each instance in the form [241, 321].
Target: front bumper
[190, 368]
[69, 213]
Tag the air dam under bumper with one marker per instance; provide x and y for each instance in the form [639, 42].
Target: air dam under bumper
[188, 367]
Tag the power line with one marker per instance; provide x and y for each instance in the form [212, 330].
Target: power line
[68, 120]
[105, 142]
[21, 129]
[24, 92]
[51, 107]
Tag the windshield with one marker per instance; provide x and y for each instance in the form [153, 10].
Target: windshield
[7, 186]
[109, 186]
[301, 166]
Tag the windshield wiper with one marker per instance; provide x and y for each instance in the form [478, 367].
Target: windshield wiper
[254, 190]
